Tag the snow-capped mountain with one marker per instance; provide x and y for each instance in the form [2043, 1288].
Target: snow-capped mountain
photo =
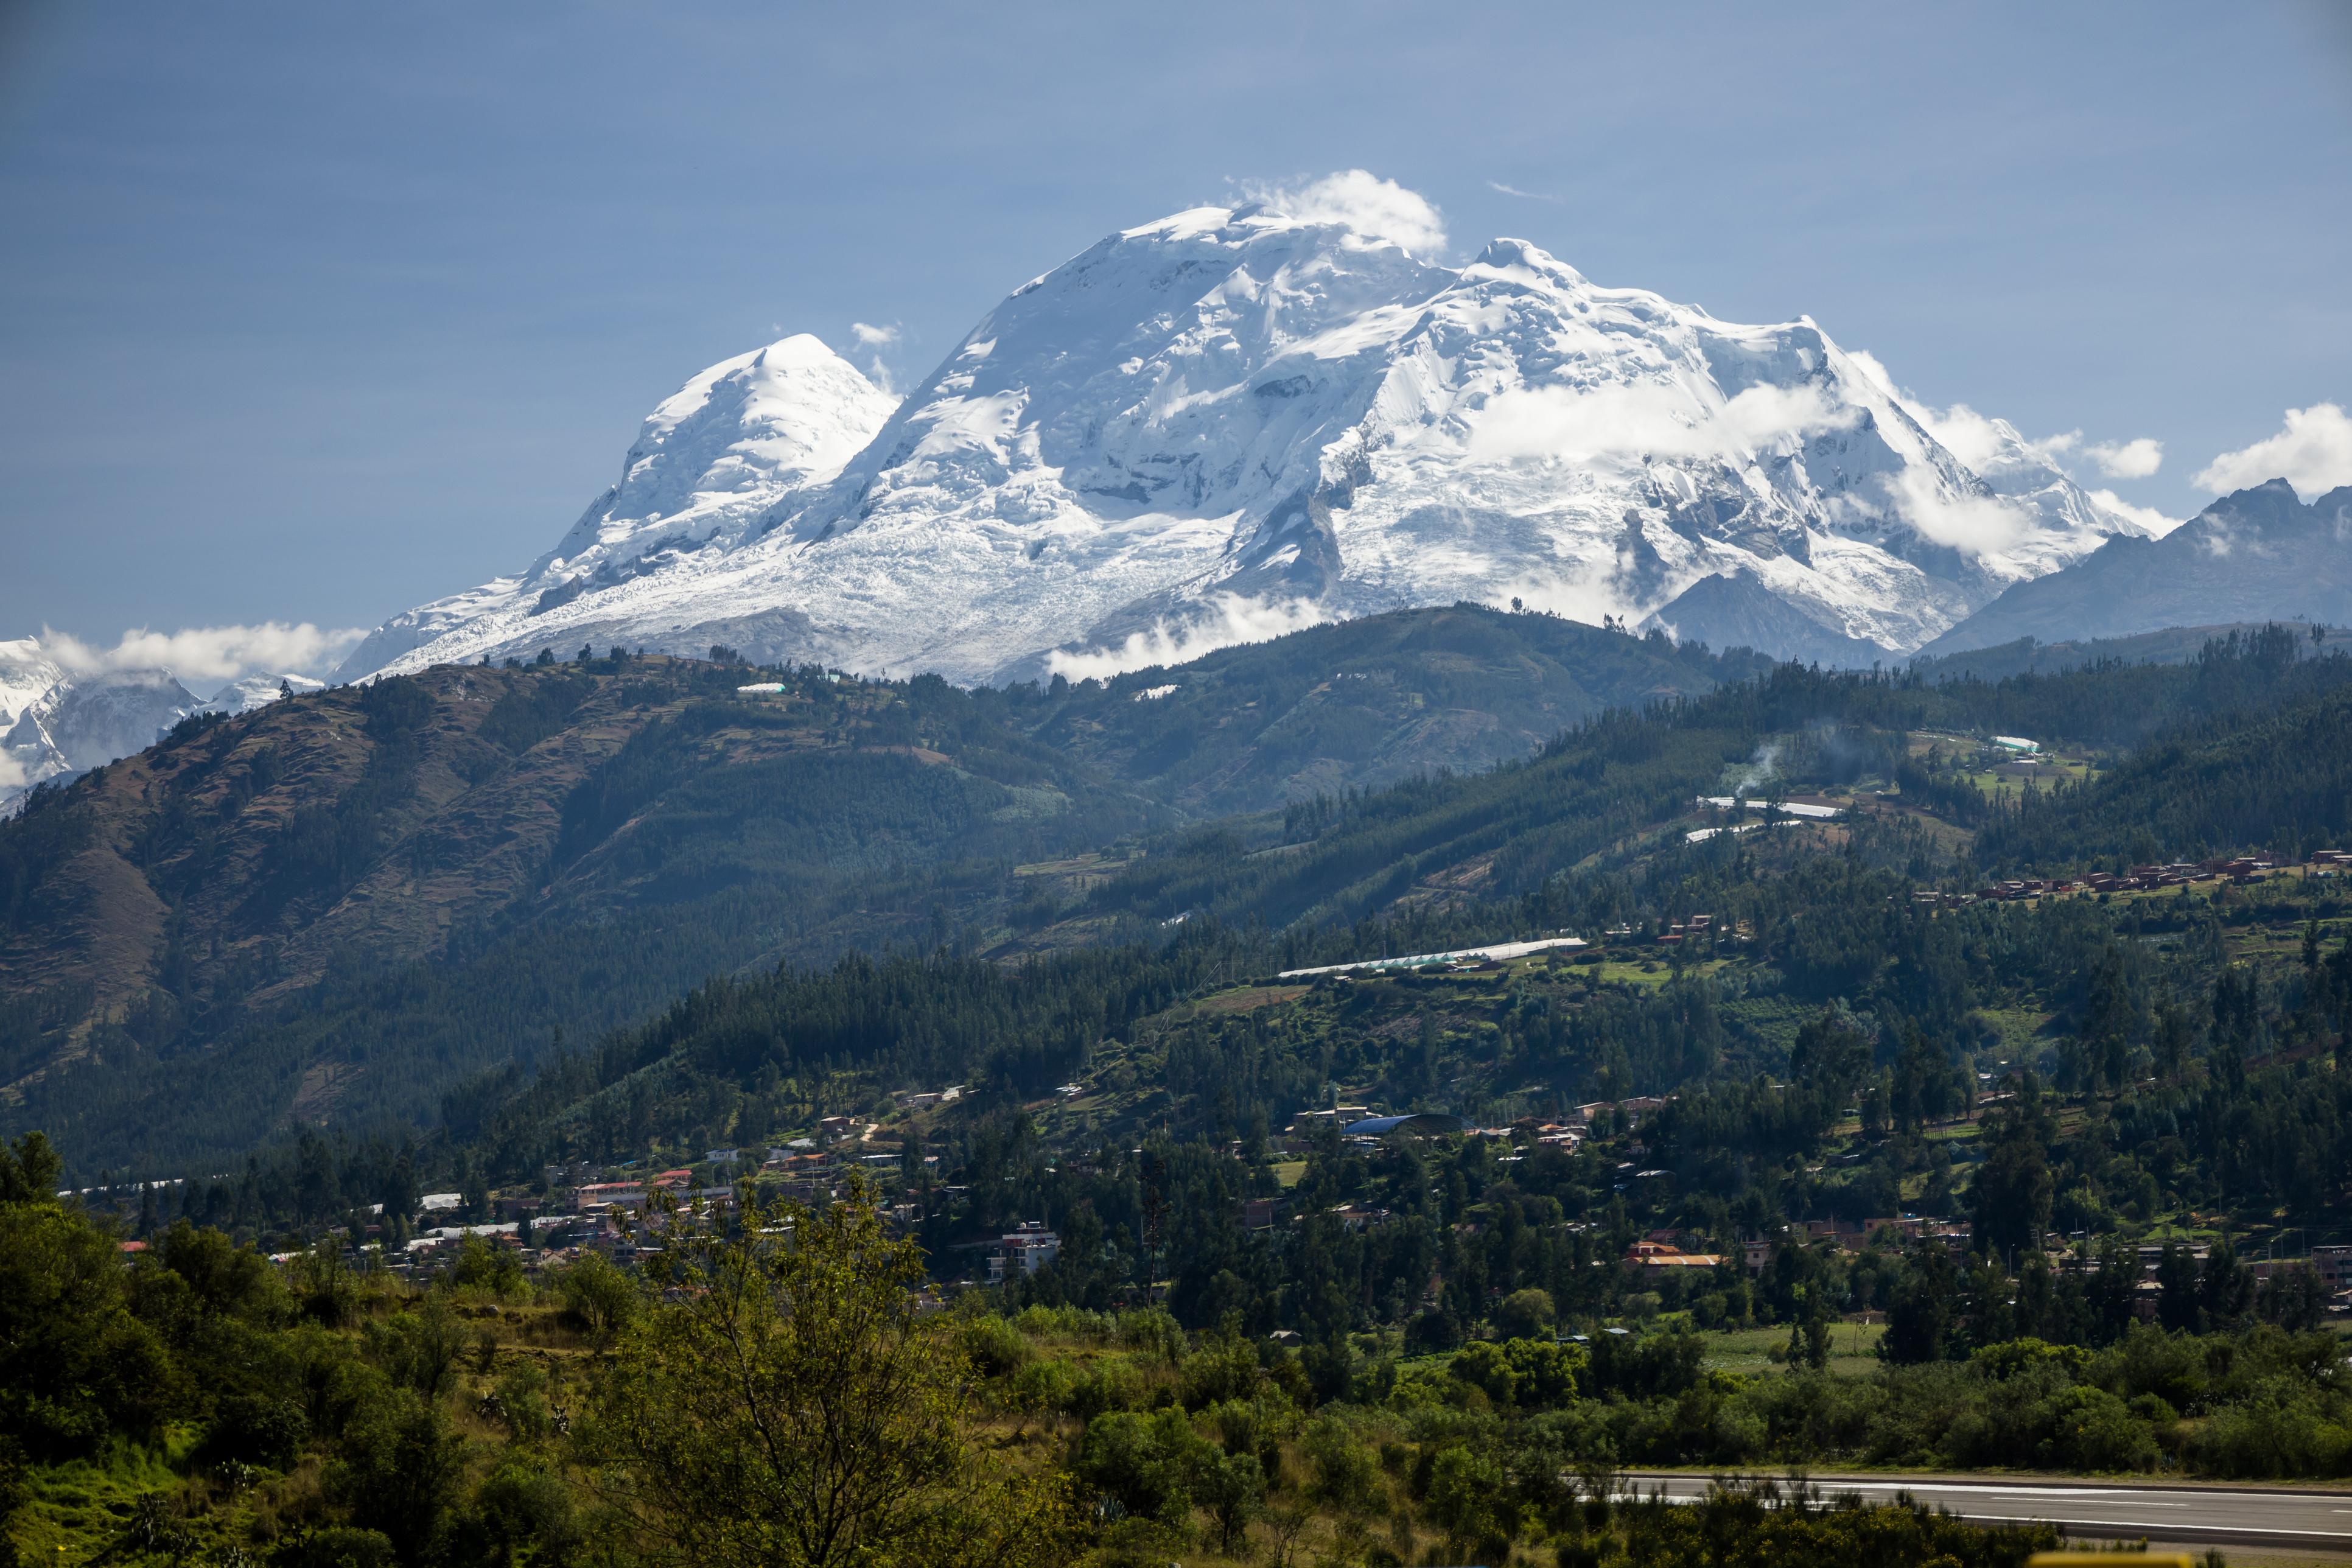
[84, 721]
[709, 463]
[55, 722]
[259, 690]
[1234, 421]
[26, 673]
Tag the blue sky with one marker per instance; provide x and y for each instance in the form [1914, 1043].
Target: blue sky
[311, 312]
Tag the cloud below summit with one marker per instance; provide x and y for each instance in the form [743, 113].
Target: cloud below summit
[1645, 419]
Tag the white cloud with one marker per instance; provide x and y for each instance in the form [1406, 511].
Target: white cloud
[1375, 208]
[1960, 431]
[1646, 419]
[873, 337]
[1871, 367]
[208, 653]
[2312, 453]
[1974, 525]
[1514, 191]
[1980, 440]
[2133, 459]
[2147, 517]
[1766, 413]
[1232, 620]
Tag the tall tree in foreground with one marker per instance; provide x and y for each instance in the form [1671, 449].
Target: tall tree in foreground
[784, 1405]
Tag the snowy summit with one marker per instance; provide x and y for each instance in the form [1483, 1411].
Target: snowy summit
[1240, 420]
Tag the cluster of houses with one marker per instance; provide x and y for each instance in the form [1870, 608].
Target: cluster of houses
[2241, 869]
[1689, 930]
[1357, 1124]
[2140, 879]
[1660, 1254]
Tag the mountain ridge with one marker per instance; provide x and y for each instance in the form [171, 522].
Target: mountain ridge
[2257, 553]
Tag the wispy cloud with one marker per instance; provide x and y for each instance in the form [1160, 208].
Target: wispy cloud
[2312, 453]
[207, 653]
[2133, 459]
[2147, 517]
[1373, 208]
[869, 336]
[1232, 620]
[1515, 191]
[1974, 525]
[1980, 440]
[1646, 419]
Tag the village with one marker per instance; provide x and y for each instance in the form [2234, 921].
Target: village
[621, 1217]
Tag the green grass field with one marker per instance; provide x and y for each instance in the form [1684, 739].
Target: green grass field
[1852, 1349]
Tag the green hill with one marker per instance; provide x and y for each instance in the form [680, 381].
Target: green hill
[336, 911]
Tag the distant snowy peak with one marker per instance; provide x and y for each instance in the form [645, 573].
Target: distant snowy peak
[709, 460]
[26, 673]
[242, 695]
[725, 446]
[85, 722]
[1237, 420]
[79, 721]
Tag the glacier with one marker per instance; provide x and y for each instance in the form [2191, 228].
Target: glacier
[1236, 421]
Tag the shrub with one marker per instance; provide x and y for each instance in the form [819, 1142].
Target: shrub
[995, 1346]
[1104, 1387]
[1146, 1463]
[1344, 1471]
[2090, 1430]
[1042, 1386]
[2279, 1432]
[334, 1549]
[483, 1266]
[1231, 1488]
[254, 1429]
[1223, 1368]
[2147, 1360]
[401, 1468]
[419, 1349]
[1524, 1314]
[1469, 1497]
[596, 1296]
[521, 1513]
[1154, 1332]
[522, 1404]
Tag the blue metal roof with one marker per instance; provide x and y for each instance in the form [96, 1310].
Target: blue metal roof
[1372, 1127]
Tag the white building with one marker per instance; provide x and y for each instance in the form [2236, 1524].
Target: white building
[1031, 1247]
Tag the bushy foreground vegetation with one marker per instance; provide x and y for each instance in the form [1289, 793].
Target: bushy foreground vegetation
[771, 1396]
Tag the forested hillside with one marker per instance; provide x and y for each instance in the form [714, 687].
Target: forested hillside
[334, 910]
[1367, 704]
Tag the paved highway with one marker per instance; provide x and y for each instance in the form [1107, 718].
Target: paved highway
[2199, 1516]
